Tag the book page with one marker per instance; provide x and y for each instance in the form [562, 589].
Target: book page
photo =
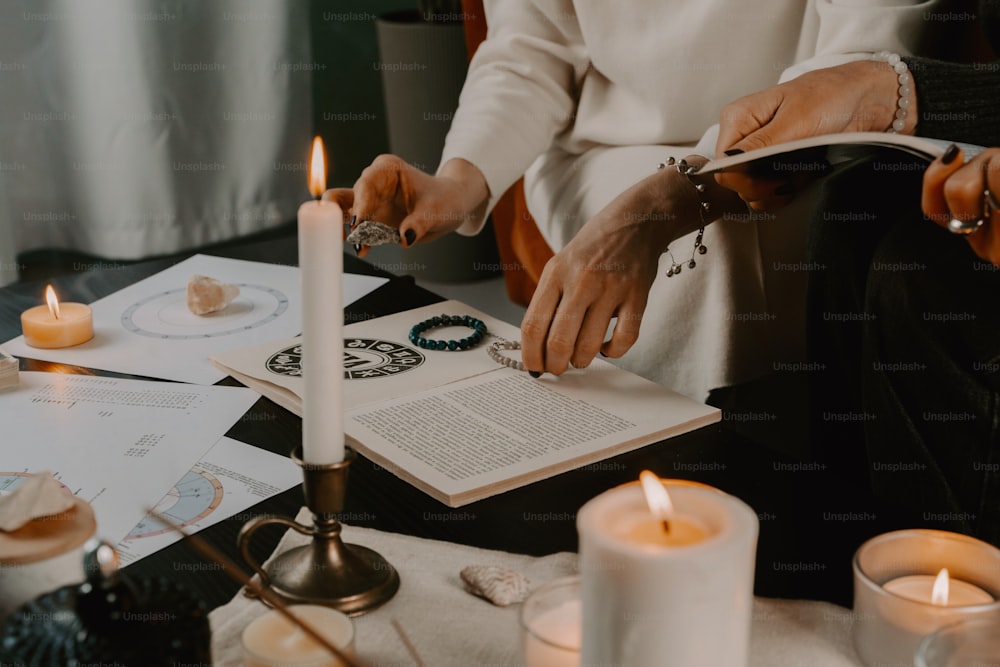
[379, 360]
[501, 430]
[810, 151]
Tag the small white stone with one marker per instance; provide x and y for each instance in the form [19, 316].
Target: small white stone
[207, 295]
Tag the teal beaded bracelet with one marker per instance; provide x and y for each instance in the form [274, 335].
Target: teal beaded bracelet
[478, 327]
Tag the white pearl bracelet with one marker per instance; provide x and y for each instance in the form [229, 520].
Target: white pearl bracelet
[905, 88]
[494, 351]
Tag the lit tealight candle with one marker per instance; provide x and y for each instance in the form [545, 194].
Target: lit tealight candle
[272, 640]
[666, 574]
[57, 324]
[321, 262]
[898, 601]
[941, 590]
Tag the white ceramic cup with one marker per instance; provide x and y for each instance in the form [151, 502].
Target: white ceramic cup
[43, 555]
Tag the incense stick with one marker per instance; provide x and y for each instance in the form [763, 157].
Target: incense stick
[408, 644]
[264, 593]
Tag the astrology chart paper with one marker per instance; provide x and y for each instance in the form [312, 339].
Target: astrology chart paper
[118, 444]
[146, 328]
[230, 478]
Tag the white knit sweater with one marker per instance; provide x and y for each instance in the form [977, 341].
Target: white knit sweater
[584, 97]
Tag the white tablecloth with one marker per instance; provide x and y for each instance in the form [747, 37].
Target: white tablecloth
[450, 627]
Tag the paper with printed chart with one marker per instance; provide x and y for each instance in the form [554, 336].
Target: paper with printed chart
[230, 478]
[458, 425]
[146, 328]
[118, 444]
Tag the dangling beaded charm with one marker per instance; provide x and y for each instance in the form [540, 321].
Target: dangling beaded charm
[703, 207]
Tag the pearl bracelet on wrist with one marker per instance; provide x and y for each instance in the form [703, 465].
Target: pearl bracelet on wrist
[905, 91]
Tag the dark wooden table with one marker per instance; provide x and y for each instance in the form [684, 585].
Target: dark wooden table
[810, 522]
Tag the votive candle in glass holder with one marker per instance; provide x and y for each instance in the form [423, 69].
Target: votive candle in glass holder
[551, 624]
[272, 640]
[971, 643]
[910, 583]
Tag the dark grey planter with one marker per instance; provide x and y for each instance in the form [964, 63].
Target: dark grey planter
[423, 67]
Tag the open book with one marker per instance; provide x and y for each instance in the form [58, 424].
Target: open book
[827, 150]
[458, 425]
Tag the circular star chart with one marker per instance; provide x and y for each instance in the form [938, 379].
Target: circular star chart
[9, 481]
[363, 358]
[193, 498]
[165, 315]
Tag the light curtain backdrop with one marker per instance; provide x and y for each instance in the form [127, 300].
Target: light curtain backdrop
[131, 128]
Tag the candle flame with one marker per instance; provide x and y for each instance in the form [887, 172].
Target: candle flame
[939, 593]
[656, 497]
[317, 169]
[52, 300]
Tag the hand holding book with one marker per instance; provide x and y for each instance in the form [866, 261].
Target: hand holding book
[859, 96]
[962, 197]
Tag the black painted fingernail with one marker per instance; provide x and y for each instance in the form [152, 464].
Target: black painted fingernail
[354, 221]
[733, 151]
[950, 154]
[410, 237]
[785, 189]
[602, 354]
[534, 374]
[357, 248]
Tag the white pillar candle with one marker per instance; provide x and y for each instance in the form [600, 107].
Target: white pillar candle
[321, 262]
[272, 640]
[653, 598]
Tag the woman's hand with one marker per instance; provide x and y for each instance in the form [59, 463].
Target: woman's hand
[422, 206]
[855, 97]
[607, 269]
[953, 190]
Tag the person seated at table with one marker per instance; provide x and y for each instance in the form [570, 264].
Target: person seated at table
[585, 99]
[902, 318]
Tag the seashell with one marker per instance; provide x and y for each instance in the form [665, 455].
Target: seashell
[371, 233]
[497, 584]
[206, 295]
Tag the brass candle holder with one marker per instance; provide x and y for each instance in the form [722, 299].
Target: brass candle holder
[348, 577]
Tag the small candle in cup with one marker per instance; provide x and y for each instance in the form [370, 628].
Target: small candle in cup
[552, 625]
[272, 640]
[56, 324]
[941, 590]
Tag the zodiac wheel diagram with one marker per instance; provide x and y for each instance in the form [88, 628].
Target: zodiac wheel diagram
[193, 498]
[9, 481]
[165, 315]
[363, 358]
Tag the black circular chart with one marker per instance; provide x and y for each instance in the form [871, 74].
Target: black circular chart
[363, 358]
